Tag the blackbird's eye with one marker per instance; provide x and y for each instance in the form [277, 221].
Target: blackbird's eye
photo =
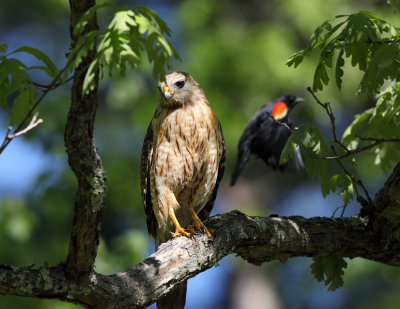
[180, 83]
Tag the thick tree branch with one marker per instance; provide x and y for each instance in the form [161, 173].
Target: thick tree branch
[84, 160]
[255, 239]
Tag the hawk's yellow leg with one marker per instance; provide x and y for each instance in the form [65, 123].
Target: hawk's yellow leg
[197, 224]
[178, 229]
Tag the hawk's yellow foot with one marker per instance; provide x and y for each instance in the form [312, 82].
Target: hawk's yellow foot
[178, 229]
[198, 224]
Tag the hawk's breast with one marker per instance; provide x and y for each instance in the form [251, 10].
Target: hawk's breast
[186, 159]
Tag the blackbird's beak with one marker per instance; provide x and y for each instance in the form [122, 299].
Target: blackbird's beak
[298, 100]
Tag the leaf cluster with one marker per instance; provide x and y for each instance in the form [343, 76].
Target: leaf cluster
[131, 32]
[15, 79]
[368, 41]
[372, 45]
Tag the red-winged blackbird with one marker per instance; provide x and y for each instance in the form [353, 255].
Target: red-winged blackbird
[266, 138]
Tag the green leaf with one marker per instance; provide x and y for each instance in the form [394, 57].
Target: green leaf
[330, 270]
[344, 183]
[52, 69]
[359, 54]
[129, 33]
[21, 106]
[84, 20]
[296, 58]
[41, 68]
[384, 65]
[4, 91]
[368, 41]
[339, 69]
[317, 268]
[316, 144]
[349, 138]
[80, 51]
[320, 77]
[3, 48]
[291, 144]
[90, 78]
[17, 71]
[315, 141]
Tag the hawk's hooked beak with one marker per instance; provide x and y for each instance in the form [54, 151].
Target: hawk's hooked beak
[167, 93]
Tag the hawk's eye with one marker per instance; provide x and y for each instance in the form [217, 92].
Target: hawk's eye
[180, 83]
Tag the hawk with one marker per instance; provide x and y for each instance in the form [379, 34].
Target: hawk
[183, 161]
[266, 138]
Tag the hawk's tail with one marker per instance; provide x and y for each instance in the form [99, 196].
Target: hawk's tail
[174, 299]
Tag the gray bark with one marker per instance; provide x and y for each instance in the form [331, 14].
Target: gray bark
[255, 239]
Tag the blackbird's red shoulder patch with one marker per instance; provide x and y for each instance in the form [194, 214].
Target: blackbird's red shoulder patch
[280, 110]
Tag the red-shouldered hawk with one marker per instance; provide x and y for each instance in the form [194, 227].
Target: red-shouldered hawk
[183, 161]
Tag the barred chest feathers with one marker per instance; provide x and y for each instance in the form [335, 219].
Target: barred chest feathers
[185, 160]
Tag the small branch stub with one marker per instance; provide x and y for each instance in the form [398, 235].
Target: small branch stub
[32, 124]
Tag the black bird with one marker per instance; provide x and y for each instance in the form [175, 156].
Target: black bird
[266, 138]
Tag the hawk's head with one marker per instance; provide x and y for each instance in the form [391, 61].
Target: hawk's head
[180, 89]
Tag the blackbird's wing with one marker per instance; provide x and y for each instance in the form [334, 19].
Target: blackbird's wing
[145, 168]
[250, 141]
[265, 137]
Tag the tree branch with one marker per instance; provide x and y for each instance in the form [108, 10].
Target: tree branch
[255, 239]
[84, 159]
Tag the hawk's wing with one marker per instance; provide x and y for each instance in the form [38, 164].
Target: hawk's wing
[205, 212]
[146, 163]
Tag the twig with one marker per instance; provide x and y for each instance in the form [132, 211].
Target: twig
[34, 123]
[6, 136]
[348, 153]
[335, 211]
[280, 123]
[50, 86]
[380, 140]
[328, 108]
